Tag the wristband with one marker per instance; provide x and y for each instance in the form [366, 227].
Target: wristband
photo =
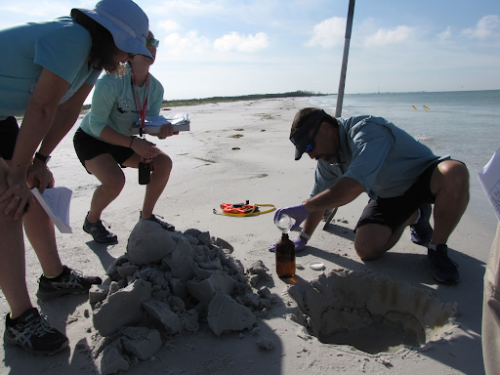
[44, 159]
[304, 236]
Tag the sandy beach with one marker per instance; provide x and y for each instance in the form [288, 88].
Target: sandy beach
[236, 152]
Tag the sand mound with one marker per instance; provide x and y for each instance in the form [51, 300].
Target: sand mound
[167, 284]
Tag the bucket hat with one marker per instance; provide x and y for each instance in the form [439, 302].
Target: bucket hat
[126, 21]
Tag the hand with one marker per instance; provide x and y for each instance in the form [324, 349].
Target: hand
[19, 194]
[299, 242]
[145, 149]
[40, 176]
[298, 213]
[166, 130]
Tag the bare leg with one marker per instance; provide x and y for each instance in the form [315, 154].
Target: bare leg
[159, 178]
[372, 240]
[450, 186]
[41, 234]
[106, 170]
[12, 253]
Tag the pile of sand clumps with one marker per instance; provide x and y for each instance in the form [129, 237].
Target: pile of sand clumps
[169, 283]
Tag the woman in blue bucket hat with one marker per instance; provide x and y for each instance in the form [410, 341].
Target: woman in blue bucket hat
[50, 69]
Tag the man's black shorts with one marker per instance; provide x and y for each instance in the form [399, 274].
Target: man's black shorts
[394, 212]
[88, 147]
[9, 130]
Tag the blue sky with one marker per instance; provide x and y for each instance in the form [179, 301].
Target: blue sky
[238, 47]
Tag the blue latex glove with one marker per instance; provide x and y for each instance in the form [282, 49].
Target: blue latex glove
[299, 242]
[298, 213]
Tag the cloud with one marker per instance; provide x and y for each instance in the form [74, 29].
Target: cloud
[38, 9]
[187, 8]
[328, 33]
[484, 29]
[242, 43]
[190, 43]
[168, 25]
[445, 35]
[384, 37]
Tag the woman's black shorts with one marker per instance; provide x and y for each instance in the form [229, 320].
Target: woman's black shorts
[88, 147]
[9, 130]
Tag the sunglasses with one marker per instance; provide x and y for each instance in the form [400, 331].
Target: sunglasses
[152, 42]
[311, 145]
[130, 55]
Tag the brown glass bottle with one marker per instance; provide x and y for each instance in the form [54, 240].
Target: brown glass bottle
[285, 257]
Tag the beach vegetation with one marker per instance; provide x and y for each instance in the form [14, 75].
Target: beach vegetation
[223, 99]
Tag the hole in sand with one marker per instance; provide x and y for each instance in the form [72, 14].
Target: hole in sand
[370, 312]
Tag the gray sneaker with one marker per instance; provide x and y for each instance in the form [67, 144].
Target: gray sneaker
[69, 282]
[31, 332]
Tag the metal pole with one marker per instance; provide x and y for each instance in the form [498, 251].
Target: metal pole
[340, 95]
[343, 72]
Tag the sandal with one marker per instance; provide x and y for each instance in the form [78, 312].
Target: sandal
[99, 231]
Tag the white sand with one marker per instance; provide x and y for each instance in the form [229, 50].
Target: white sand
[208, 172]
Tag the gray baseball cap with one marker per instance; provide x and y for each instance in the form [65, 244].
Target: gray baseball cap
[302, 138]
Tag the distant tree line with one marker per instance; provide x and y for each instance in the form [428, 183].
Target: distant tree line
[219, 99]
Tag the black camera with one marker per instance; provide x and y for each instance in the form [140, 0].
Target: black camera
[144, 173]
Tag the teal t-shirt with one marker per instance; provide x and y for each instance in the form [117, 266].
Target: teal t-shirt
[61, 46]
[114, 104]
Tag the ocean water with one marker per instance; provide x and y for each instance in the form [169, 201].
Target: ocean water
[462, 124]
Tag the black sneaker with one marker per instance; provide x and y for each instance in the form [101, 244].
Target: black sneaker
[69, 282]
[444, 269]
[162, 223]
[31, 332]
[99, 232]
[421, 232]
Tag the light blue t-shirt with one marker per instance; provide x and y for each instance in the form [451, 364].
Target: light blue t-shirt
[61, 46]
[115, 105]
[380, 156]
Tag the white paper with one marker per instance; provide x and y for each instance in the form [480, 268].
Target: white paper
[489, 177]
[179, 121]
[55, 202]
[178, 118]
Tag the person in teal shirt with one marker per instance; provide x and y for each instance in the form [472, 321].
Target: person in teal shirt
[401, 176]
[47, 72]
[104, 142]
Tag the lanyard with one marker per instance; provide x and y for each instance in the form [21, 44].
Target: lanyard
[140, 108]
